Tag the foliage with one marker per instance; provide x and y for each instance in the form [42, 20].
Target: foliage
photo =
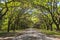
[21, 14]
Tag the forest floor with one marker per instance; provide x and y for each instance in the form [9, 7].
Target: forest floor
[11, 35]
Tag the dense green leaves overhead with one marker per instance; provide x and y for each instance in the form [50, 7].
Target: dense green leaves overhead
[27, 13]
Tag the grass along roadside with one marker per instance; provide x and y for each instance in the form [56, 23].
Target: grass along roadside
[49, 33]
[11, 33]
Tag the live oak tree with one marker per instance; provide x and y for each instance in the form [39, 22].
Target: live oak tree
[16, 10]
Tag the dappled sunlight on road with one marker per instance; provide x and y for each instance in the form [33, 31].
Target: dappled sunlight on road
[32, 34]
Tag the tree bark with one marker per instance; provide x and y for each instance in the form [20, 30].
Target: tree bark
[47, 27]
[51, 28]
[57, 25]
[8, 26]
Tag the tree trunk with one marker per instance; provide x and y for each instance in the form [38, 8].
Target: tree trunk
[8, 26]
[47, 27]
[14, 27]
[51, 28]
[9, 21]
[57, 25]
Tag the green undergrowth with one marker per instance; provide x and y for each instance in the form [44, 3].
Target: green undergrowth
[10, 34]
[50, 33]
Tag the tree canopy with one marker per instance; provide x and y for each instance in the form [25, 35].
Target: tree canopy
[21, 14]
